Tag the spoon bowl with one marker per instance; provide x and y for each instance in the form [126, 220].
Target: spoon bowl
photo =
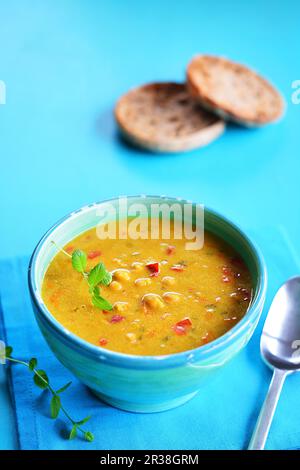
[280, 340]
[280, 349]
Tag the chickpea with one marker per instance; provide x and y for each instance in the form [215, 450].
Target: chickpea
[120, 306]
[171, 297]
[168, 280]
[121, 275]
[115, 285]
[119, 262]
[131, 337]
[137, 266]
[153, 301]
[142, 281]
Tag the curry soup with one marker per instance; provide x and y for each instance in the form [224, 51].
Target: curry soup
[166, 299]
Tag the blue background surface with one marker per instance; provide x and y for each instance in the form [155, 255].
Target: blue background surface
[66, 62]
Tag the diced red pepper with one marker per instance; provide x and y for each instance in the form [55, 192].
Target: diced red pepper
[94, 254]
[170, 250]
[105, 312]
[177, 267]
[69, 249]
[179, 330]
[153, 268]
[182, 326]
[103, 341]
[116, 318]
[185, 322]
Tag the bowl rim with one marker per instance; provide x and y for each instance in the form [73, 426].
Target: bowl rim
[154, 361]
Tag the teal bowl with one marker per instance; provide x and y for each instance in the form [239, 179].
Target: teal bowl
[143, 383]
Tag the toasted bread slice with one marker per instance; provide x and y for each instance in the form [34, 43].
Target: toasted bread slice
[162, 117]
[233, 91]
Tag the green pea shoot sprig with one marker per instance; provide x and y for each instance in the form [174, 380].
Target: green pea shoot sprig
[41, 380]
[97, 276]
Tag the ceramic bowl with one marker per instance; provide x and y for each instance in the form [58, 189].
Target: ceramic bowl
[143, 383]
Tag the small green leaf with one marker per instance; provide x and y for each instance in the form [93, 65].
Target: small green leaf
[8, 351]
[89, 436]
[96, 275]
[32, 363]
[106, 279]
[55, 406]
[62, 389]
[100, 302]
[73, 432]
[96, 291]
[79, 260]
[83, 421]
[40, 379]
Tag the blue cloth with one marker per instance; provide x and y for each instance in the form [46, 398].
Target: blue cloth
[222, 416]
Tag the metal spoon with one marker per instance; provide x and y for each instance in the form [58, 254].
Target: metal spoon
[280, 349]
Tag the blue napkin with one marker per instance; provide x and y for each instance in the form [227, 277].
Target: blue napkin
[221, 416]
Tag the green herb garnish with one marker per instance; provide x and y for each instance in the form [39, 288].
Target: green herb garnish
[42, 381]
[79, 261]
[97, 276]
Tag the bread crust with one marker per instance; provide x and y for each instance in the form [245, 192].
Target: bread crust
[233, 91]
[162, 117]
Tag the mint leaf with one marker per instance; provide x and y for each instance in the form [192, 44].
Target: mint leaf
[99, 301]
[62, 389]
[106, 279]
[32, 363]
[89, 436]
[83, 421]
[55, 406]
[40, 379]
[96, 275]
[73, 432]
[79, 260]
[99, 275]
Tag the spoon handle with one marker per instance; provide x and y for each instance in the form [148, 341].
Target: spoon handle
[264, 421]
